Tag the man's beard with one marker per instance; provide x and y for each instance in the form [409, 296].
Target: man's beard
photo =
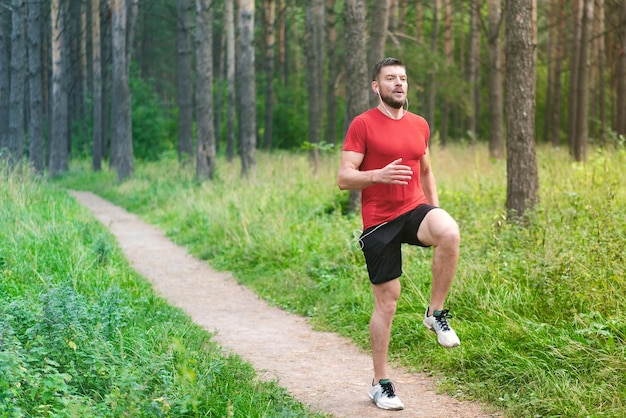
[389, 101]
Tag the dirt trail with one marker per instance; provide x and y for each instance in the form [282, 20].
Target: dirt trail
[321, 369]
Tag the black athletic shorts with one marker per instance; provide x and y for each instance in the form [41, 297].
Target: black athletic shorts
[381, 243]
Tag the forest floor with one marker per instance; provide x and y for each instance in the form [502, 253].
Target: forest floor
[323, 370]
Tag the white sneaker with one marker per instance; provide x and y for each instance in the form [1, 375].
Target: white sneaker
[383, 394]
[438, 324]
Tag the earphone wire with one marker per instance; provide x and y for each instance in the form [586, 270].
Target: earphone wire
[406, 100]
[358, 235]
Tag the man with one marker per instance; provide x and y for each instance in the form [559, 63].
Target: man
[385, 155]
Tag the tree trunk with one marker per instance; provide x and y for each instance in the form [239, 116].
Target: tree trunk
[83, 55]
[419, 22]
[356, 66]
[379, 24]
[106, 47]
[18, 77]
[448, 50]
[98, 139]
[620, 119]
[496, 113]
[522, 177]
[599, 85]
[5, 76]
[574, 93]
[131, 19]
[550, 60]
[315, 74]
[184, 93]
[432, 73]
[281, 35]
[229, 17]
[402, 12]
[294, 66]
[555, 115]
[474, 69]
[35, 124]
[582, 116]
[73, 70]
[205, 156]
[121, 139]
[58, 128]
[220, 81]
[331, 59]
[269, 9]
[393, 15]
[247, 87]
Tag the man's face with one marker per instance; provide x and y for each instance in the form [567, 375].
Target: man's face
[393, 85]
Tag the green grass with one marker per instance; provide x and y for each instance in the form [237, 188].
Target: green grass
[82, 335]
[539, 308]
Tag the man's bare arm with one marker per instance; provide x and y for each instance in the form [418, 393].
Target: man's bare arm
[349, 177]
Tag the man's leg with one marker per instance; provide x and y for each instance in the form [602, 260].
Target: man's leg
[441, 231]
[385, 300]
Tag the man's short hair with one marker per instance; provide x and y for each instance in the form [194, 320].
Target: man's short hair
[385, 62]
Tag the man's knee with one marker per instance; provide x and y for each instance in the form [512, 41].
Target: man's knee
[451, 235]
[440, 229]
[386, 297]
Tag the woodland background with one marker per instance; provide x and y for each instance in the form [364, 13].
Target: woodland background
[120, 80]
[147, 99]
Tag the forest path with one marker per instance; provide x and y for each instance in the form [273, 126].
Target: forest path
[320, 369]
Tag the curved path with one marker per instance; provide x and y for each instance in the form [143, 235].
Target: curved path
[321, 369]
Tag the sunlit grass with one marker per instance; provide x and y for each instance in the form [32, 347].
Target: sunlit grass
[539, 308]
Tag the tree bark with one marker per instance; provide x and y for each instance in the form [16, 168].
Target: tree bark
[205, 155]
[555, 115]
[356, 65]
[83, 53]
[282, 35]
[229, 17]
[474, 69]
[394, 16]
[219, 78]
[106, 47]
[582, 114]
[598, 71]
[620, 120]
[496, 113]
[58, 162]
[269, 9]
[448, 50]
[574, 93]
[550, 61]
[35, 123]
[247, 88]
[121, 139]
[131, 19]
[315, 74]
[98, 139]
[331, 59]
[18, 72]
[419, 22]
[522, 177]
[5, 76]
[432, 73]
[379, 24]
[184, 93]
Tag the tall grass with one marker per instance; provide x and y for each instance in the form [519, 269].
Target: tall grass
[539, 308]
[82, 335]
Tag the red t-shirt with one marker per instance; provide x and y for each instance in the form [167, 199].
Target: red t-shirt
[382, 140]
